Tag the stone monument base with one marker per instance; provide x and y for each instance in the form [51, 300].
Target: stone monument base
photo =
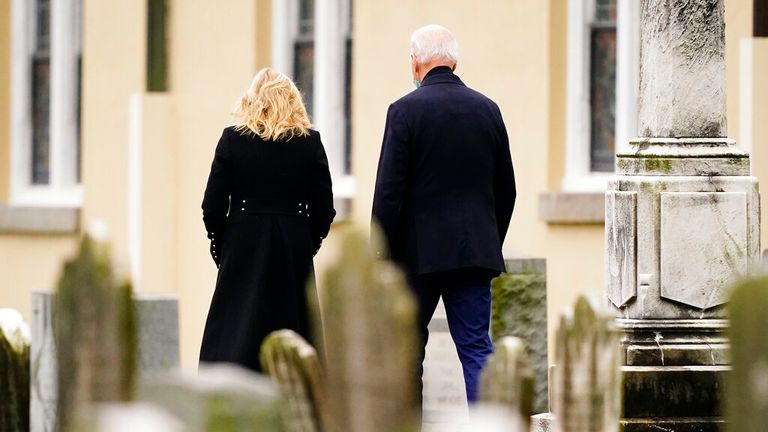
[674, 373]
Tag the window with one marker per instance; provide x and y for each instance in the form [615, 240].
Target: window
[47, 58]
[603, 81]
[312, 42]
[157, 45]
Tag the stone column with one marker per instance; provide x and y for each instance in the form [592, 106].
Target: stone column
[682, 221]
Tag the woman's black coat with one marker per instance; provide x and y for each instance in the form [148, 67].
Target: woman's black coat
[267, 207]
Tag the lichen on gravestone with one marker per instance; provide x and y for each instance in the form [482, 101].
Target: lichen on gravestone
[14, 372]
[95, 334]
[519, 309]
[507, 380]
[587, 384]
[295, 368]
[219, 398]
[370, 349]
[747, 383]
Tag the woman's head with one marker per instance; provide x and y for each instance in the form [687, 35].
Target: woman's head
[272, 108]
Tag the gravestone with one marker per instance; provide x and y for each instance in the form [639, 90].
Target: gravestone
[220, 397]
[507, 381]
[370, 348]
[519, 309]
[295, 368]
[95, 334]
[747, 400]
[132, 417]
[586, 382]
[682, 223]
[14, 372]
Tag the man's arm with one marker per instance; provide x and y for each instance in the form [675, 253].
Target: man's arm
[504, 189]
[391, 177]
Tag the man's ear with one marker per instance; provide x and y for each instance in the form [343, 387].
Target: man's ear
[453, 68]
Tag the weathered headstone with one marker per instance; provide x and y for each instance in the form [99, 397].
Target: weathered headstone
[43, 376]
[370, 348]
[158, 336]
[294, 366]
[95, 334]
[14, 372]
[747, 400]
[519, 309]
[220, 398]
[507, 380]
[587, 383]
[682, 223]
[131, 417]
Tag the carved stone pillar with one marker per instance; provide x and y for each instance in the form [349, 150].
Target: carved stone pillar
[682, 222]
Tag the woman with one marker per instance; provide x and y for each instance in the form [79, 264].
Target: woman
[267, 207]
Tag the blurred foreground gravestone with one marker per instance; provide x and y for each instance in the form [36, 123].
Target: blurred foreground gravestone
[519, 309]
[220, 398]
[747, 401]
[95, 333]
[14, 372]
[507, 382]
[587, 384]
[157, 329]
[132, 417]
[370, 349]
[294, 366]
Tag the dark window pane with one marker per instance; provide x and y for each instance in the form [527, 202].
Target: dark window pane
[43, 26]
[41, 90]
[602, 92]
[306, 17]
[304, 69]
[157, 45]
[348, 108]
[605, 10]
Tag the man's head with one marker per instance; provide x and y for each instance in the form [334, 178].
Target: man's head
[432, 46]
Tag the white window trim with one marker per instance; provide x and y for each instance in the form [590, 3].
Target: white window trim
[578, 175]
[330, 38]
[63, 189]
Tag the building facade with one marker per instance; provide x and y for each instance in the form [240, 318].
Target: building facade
[111, 111]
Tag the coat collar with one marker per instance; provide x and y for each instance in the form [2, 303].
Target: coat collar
[441, 75]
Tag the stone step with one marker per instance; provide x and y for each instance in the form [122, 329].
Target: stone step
[673, 391]
[701, 424]
[677, 354]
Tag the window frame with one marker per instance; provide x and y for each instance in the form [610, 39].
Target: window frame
[579, 176]
[64, 188]
[285, 34]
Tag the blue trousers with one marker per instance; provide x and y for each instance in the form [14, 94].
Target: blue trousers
[466, 295]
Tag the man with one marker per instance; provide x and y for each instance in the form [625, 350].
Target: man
[445, 191]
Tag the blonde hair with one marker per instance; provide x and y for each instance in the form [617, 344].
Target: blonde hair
[272, 108]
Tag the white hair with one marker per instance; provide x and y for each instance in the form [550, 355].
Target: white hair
[434, 42]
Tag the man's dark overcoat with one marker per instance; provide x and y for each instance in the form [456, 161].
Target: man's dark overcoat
[445, 187]
[267, 207]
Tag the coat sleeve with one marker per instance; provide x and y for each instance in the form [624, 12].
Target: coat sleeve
[504, 189]
[321, 209]
[392, 179]
[216, 198]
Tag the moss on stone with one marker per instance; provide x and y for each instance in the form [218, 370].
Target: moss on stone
[658, 165]
[14, 385]
[520, 309]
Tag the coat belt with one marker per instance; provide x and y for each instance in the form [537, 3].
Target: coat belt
[241, 205]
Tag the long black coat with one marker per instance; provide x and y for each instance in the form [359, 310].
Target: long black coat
[267, 207]
[445, 187]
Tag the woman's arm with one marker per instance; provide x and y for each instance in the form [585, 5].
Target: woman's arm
[320, 197]
[216, 199]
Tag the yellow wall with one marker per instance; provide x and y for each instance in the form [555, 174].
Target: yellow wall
[5, 99]
[738, 25]
[114, 46]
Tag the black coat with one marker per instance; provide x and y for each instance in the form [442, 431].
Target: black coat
[267, 207]
[445, 187]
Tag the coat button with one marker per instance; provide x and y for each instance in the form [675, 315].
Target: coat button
[243, 209]
[243, 201]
